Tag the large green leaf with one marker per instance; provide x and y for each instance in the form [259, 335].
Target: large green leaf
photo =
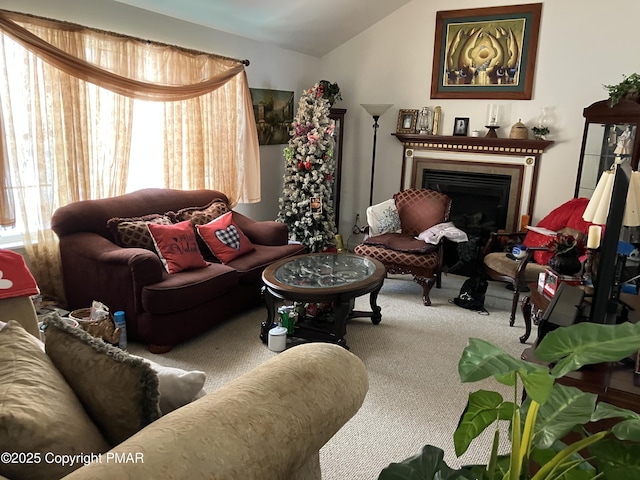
[483, 408]
[627, 429]
[588, 343]
[429, 464]
[537, 384]
[565, 408]
[481, 360]
[618, 460]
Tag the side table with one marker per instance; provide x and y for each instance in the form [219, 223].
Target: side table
[614, 383]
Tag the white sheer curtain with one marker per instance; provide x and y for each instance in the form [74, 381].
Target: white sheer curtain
[68, 133]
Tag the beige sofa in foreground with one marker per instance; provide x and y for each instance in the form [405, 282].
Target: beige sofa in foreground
[269, 423]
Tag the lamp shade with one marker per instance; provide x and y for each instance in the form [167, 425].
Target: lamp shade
[598, 208]
[632, 208]
[376, 109]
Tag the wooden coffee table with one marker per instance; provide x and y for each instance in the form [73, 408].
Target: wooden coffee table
[336, 278]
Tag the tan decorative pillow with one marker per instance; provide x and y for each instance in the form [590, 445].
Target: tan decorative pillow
[200, 215]
[39, 413]
[118, 391]
[133, 232]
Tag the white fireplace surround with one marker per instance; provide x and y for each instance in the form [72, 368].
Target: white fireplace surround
[516, 158]
[521, 170]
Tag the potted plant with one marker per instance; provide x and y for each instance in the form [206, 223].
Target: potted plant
[548, 414]
[540, 132]
[629, 87]
[330, 91]
[567, 250]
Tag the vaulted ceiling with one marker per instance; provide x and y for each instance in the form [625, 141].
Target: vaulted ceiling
[313, 27]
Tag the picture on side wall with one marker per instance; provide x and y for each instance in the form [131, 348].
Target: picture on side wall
[486, 53]
[273, 110]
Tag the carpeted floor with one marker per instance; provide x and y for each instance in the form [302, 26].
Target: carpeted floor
[415, 395]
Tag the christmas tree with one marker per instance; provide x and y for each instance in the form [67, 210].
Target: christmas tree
[306, 205]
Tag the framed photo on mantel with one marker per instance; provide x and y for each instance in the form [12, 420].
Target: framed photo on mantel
[486, 53]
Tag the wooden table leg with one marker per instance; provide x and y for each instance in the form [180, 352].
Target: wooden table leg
[375, 313]
[270, 303]
[526, 314]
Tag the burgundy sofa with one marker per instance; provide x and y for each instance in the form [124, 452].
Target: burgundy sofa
[161, 309]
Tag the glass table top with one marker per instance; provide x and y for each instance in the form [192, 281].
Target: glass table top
[326, 270]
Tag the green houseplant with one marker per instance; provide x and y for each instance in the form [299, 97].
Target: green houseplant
[628, 87]
[548, 414]
[330, 91]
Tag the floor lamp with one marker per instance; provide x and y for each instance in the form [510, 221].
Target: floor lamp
[376, 110]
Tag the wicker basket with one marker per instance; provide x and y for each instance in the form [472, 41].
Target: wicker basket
[519, 130]
[105, 329]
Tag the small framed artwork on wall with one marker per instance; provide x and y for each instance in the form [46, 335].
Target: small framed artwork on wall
[407, 121]
[461, 126]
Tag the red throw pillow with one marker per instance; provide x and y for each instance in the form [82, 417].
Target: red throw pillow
[177, 247]
[224, 238]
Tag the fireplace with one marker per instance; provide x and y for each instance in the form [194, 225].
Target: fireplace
[479, 206]
[457, 163]
[478, 194]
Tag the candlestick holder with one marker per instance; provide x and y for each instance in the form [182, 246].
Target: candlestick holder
[590, 267]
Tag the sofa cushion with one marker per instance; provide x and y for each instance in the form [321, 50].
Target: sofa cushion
[39, 412]
[400, 242]
[200, 215]
[251, 265]
[118, 391]
[133, 232]
[224, 238]
[189, 288]
[177, 247]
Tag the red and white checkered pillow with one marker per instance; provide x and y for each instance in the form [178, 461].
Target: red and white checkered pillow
[224, 238]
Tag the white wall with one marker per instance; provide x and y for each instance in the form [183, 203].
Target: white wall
[270, 67]
[582, 46]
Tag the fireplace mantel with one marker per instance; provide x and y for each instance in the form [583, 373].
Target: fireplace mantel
[501, 146]
[516, 157]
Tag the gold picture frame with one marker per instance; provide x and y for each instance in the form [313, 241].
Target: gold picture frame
[486, 53]
[407, 120]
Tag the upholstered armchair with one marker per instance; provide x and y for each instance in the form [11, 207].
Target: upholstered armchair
[400, 251]
[499, 266]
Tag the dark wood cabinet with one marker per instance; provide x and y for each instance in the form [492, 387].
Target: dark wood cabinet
[603, 128]
[337, 115]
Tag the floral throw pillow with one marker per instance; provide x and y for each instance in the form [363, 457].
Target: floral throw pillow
[200, 215]
[383, 218]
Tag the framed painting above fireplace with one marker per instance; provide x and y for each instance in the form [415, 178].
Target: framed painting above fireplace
[487, 53]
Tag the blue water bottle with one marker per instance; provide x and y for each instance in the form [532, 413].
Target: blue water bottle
[119, 320]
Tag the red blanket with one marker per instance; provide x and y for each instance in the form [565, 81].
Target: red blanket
[15, 278]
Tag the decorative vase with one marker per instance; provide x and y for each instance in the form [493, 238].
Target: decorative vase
[566, 263]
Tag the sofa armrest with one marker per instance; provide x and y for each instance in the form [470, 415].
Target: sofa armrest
[97, 269]
[265, 232]
[269, 423]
